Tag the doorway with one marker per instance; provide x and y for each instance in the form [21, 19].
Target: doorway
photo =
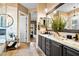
[22, 27]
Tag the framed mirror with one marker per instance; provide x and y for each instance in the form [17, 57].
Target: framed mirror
[70, 13]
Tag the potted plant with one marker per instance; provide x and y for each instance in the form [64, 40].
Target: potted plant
[58, 24]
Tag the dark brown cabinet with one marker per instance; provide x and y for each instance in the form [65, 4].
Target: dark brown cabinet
[40, 41]
[43, 44]
[53, 48]
[48, 46]
[56, 49]
[67, 51]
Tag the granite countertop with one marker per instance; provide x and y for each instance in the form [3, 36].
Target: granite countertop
[68, 42]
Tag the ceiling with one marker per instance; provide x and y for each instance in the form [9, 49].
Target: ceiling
[29, 5]
[68, 7]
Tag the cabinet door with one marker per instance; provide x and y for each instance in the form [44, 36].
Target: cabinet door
[48, 46]
[56, 49]
[67, 51]
[43, 44]
[40, 41]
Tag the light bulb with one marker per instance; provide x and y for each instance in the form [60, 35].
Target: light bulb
[46, 10]
[55, 12]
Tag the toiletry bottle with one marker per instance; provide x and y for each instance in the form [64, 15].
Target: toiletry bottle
[76, 37]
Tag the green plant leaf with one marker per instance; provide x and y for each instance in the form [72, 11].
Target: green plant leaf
[58, 23]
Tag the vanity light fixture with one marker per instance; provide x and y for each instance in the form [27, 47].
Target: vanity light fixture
[54, 12]
[46, 10]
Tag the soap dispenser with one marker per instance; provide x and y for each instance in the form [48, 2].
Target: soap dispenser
[76, 37]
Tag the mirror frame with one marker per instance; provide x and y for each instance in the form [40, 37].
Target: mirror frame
[6, 19]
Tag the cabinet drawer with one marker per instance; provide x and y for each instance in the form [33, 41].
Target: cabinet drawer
[43, 44]
[56, 49]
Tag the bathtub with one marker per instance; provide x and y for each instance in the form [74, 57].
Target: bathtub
[2, 48]
[2, 43]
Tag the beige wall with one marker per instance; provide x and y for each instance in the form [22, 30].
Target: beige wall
[22, 9]
[12, 11]
[18, 7]
[40, 13]
[41, 10]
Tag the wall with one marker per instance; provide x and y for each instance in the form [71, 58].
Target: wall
[40, 13]
[12, 29]
[22, 9]
[26, 12]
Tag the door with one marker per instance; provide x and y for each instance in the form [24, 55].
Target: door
[23, 28]
[40, 41]
[43, 43]
[47, 47]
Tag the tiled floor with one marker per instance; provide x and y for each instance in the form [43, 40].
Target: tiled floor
[26, 49]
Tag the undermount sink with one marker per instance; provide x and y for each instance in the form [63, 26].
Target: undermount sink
[69, 41]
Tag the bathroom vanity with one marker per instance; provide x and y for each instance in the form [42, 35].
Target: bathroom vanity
[57, 46]
[53, 45]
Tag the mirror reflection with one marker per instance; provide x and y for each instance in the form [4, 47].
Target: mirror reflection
[70, 13]
[6, 20]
